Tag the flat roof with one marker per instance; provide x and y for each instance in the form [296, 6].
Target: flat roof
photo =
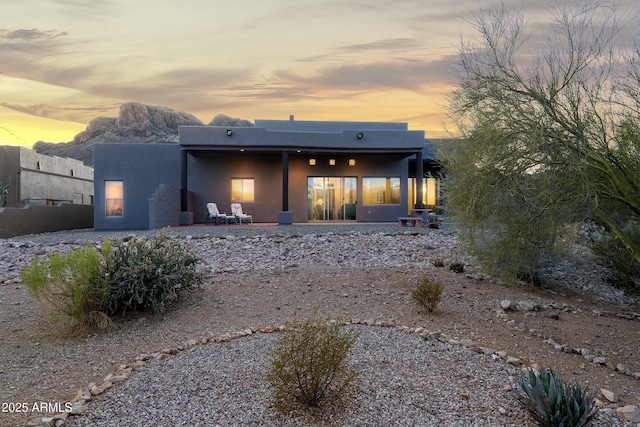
[305, 136]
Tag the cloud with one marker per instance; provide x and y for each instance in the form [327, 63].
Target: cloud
[30, 35]
[30, 54]
[406, 74]
[86, 9]
[184, 88]
[391, 45]
[73, 114]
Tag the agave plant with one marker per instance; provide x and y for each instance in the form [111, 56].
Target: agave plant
[552, 403]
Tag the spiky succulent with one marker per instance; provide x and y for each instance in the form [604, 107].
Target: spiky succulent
[552, 403]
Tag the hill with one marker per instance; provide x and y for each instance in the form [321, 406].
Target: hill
[136, 123]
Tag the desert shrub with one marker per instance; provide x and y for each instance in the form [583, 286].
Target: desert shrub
[456, 267]
[553, 403]
[309, 362]
[149, 273]
[71, 287]
[625, 269]
[428, 293]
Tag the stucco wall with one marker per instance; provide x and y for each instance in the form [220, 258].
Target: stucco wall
[209, 178]
[141, 168]
[367, 165]
[164, 207]
[33, 219]
[38, 176]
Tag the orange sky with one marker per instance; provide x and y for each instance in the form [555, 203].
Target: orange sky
[65, 62]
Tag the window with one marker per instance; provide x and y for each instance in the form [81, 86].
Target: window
[381, 191]
[242, 190]
[430, 192]
[113, 198]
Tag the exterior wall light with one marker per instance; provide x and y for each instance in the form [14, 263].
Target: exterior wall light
[360, 135]
[332, 162]
[312, 162]
[229, 132]
[352, 162]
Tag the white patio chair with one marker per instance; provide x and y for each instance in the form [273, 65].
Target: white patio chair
[236, 210]
[214, 214]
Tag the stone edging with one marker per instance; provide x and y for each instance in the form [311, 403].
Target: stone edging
[506, 306]
[123, 372]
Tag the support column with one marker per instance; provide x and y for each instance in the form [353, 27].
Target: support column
[285, 217]
[419, 177]
[186, 217]
[183, 180]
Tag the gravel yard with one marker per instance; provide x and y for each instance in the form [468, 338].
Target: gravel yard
[263, 276]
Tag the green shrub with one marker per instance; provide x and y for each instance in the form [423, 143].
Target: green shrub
[552, 403]
[85, 286]
[149, 273]
[71, 287]
[309, 362]
[612, 253]
[428, 293]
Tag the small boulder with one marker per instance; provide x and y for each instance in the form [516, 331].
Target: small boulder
[629, 413]
[622, 368]
[609, 395]
[505, 304]
[527, 306]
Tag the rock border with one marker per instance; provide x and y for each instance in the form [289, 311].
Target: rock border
[506, 305]
[79, 404]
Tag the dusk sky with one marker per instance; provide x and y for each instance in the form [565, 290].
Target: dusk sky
[65, 62]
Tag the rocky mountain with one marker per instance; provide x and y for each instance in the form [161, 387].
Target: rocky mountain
[136, 123]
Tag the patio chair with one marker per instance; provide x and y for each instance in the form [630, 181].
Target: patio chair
[214, 214]
[236, 210]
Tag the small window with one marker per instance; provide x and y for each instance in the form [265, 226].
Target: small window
[113, 198]
[242, 190]
[381, 191]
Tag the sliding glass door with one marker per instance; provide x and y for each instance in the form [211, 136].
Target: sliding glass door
[331, 198]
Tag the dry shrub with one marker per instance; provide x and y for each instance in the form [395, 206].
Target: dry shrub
[428, 293]
[457, 267]
[309, 362]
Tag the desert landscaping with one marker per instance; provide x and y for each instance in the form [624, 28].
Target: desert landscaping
[203, 361]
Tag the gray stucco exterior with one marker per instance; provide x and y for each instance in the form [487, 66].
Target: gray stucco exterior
[166, 184]
[143, 169]
[41, 179]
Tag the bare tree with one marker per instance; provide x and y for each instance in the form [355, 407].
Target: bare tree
[549, 134]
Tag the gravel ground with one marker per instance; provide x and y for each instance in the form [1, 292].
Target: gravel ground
[262, 275]
[403, 380]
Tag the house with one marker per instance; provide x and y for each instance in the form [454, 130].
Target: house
[41, 179]
[46, 193]
[281, 171]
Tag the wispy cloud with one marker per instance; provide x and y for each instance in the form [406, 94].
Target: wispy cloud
[406, 74]
[31, 54]
[72, 114]
[30, 35]
[185, 88]
[86, 9]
